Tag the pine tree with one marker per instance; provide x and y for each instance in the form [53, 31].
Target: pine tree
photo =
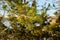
[27, 24]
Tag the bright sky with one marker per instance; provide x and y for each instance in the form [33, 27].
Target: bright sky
[40, 3]
[51, 2]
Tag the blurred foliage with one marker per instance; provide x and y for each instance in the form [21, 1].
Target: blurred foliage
[27, 24]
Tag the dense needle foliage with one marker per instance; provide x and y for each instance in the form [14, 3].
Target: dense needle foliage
[27, 24]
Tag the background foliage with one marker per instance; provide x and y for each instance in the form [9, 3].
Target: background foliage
[27, 24]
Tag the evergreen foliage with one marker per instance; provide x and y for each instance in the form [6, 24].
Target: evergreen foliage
[27, 24]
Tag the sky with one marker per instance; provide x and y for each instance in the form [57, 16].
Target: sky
[40, 3]
[45, 3]
[51, 2]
